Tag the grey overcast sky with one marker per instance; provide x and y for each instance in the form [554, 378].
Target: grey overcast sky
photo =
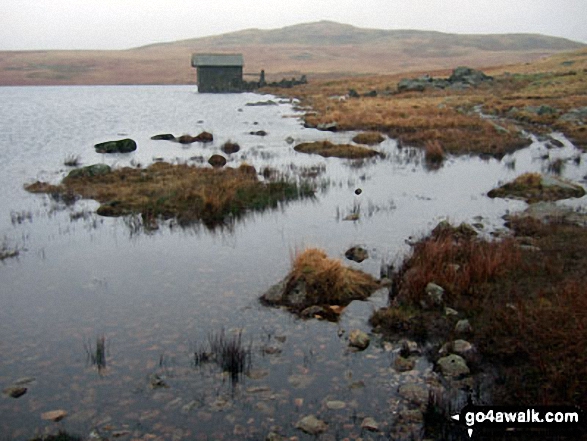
[123, 24]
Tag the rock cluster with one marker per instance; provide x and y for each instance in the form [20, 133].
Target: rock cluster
[462, 78]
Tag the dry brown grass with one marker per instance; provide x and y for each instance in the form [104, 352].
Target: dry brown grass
[328, 281]
[530, 187]
[369, 138]
[178, 191]
[329, 149]
[450, 116]
[526, 306]
[433, 152]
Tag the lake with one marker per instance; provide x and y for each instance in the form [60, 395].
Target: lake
[156, 296]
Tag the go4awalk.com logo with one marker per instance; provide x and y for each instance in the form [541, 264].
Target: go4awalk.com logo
[563, 420]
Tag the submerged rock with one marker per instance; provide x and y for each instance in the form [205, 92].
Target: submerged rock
[15, 391]
[121, 146]
[311, 425]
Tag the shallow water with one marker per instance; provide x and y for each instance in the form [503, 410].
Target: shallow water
[156, 296]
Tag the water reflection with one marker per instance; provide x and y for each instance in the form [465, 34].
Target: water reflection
[155, 294]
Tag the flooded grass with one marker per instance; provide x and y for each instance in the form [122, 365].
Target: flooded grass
[60, 436]
[229, 353]
[184, 192]
[96, 354]
[329, 149]
[533, 187]
[7, 251]
[369, 138]
[525, 305]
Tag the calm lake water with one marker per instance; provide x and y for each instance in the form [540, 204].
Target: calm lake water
[156, 296]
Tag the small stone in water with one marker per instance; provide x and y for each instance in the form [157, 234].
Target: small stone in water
[370, 424]
[54, 415]
[15, 391]
[335, 405]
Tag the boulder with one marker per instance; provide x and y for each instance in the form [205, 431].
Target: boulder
[202, 137]
[435, 293]
[90, 171]
[369, 423]
[459, 347]
[230, 147]
[463, 327]
[359, 339]
[357, 254]
[163, 137]
[121, 146]
[328, 127]
[217, 161]
[467, 75]
[453, 366]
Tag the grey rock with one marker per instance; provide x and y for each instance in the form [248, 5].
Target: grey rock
[163, 137]
[415, 393]
[453, 366]
[15, 391]
[402, 364]
[467, 75]
[463, 327]
[311, 425]
[359, 339]
[335, 405]
[369, 423]
[435, 293]
[328, 127]
[90, 171]
[459, 347]
[120, 146]
[313, 311]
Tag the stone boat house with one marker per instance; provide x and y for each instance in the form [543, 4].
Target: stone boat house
[219, 73]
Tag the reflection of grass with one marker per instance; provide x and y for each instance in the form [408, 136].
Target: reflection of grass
[60, 436]
[328, 149]
[97, 355]
[6, 251]
[178, 191]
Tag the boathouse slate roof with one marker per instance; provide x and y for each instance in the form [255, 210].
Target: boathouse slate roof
[220, 60]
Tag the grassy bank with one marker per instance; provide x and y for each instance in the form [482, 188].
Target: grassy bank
[540, 97]
[183, 192]
[525, 298]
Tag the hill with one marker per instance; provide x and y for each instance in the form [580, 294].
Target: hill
[319, 49]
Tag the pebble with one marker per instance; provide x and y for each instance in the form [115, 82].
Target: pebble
[54, 415]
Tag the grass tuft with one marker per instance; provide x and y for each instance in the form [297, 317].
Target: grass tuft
[187, 193]
[327, 149]
[369, 138]
[328, 281]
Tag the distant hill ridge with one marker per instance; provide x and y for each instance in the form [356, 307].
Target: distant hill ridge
[336, 34]
[320, 48]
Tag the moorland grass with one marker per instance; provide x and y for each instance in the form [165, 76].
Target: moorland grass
[186, 193]
[452, 117]
[531, 187]
[525, 304]
[327, 281]
[328, 149]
